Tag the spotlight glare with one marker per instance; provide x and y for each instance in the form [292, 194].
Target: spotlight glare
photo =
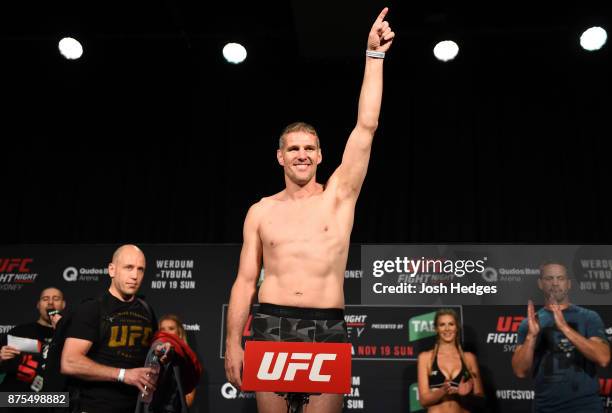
[446, 50]
[234, 53]
[70, 48]
[593, 39]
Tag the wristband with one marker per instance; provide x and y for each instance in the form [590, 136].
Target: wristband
[375, 54]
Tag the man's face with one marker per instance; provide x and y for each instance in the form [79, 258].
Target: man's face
[50, 299]
[555, 283]
[299, 157]
[127, 271]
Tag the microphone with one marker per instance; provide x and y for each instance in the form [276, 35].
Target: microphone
[53, 312]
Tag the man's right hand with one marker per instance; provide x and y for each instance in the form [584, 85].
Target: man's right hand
[532, 321]
[55, 318]
[141, 377]
[234, 356]
[380, 36]
[8, 353]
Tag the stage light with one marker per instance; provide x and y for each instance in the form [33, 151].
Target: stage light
[593, 39]
[70, 48]
[446, 50]
[234, 53]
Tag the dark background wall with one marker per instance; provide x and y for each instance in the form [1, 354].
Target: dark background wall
[203, 275]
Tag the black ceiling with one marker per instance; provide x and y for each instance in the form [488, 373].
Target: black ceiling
[152, 112]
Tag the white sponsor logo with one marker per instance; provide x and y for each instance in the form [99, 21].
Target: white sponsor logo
[515, 394]
[174, 264]
[492, 274]
[387, 326]
[191, 327]
[228, 391]
[292, 368]
[423, 326]
[596, 264]
[502, 338]
[489, 274]
[172, 284]
[353, 274]
[70, 274]
[5, 329]
[174, 270]
[355, 318]
[353, 402]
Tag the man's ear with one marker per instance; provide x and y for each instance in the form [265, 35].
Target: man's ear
[111, 270]
[279, 157]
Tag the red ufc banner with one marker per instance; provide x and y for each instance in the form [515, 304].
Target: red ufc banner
[297, 367]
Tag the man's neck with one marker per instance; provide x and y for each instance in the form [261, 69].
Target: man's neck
[295, 191]
[564, 304]
[115, 293]
[42, 322]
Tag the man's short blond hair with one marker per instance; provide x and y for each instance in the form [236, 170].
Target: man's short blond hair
[298, 127]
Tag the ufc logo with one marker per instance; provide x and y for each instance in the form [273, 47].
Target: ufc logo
[12, 264]
[27, 369]
[292, 368]
[297, 367]
[122, 336]
[507, 324]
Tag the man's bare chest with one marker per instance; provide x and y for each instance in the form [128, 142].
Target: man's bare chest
[289, 222]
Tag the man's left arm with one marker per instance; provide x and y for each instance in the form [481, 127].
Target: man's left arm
[351, 173]
[594, 348]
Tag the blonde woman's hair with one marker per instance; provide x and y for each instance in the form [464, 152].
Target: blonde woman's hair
[452, 313]
[179, 325]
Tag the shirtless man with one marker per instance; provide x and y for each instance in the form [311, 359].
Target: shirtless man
[303, 233]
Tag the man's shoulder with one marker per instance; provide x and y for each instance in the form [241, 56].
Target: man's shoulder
[272, 199]
[260, 207]
[88, 307]
[583, 311]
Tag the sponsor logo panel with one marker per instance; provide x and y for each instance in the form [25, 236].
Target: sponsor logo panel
[16, 273]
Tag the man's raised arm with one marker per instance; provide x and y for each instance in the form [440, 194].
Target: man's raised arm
[242, 295]
[352, 171]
